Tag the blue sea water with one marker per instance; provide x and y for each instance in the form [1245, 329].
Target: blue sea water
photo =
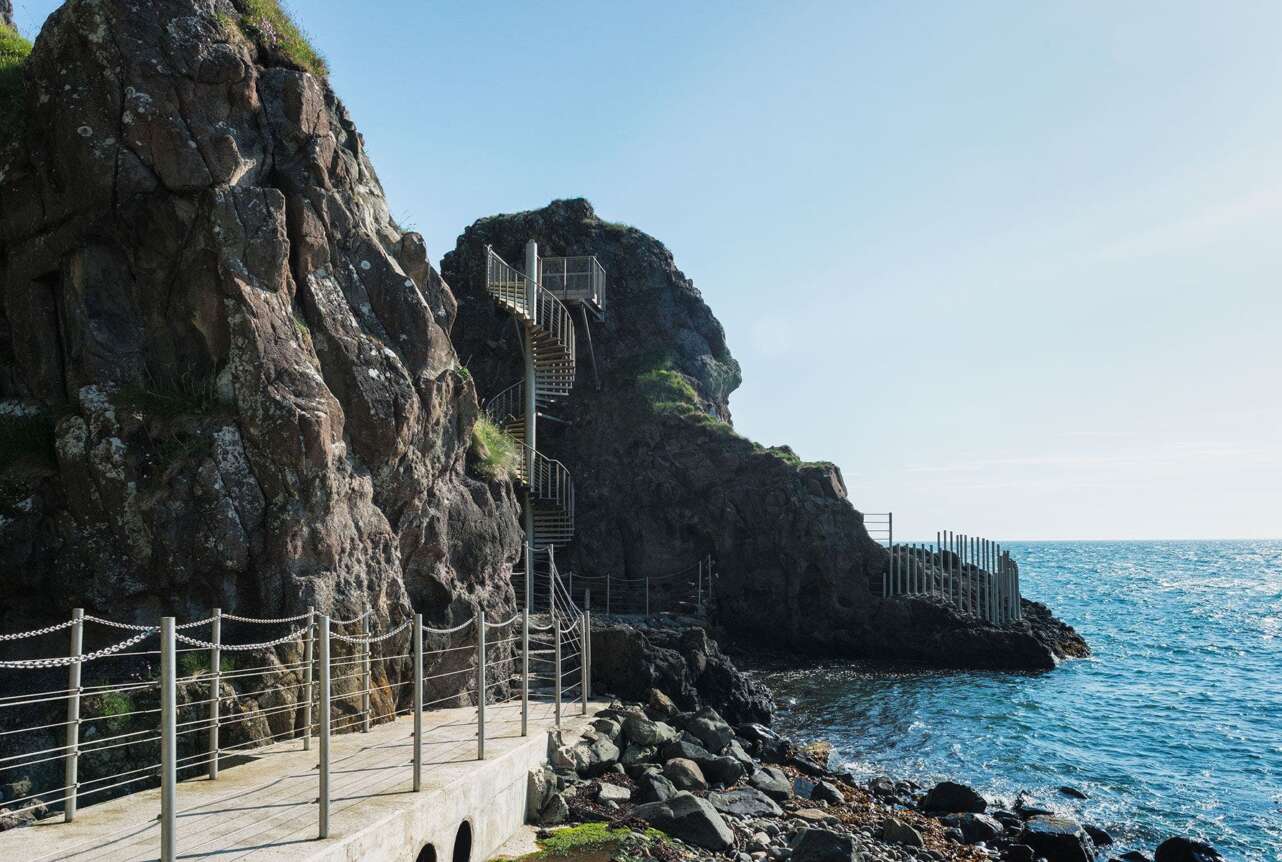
[1173, 726]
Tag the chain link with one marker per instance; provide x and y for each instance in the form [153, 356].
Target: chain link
[265, 622]
[64, 661]
[17, 636]
[352, 620]
[457, 628]
[372, 640]
[242, 647]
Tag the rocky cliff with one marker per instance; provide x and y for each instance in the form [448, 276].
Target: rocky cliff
[662, 478]
[225, 370]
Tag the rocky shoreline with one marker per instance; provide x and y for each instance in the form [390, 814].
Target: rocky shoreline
[726, 788]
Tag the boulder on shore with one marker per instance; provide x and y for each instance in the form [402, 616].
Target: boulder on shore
[689, 818]
[822, 845]
[1182, 849]
[952, 798]
[1058, 839]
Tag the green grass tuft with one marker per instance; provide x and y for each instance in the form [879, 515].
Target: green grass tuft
[496, 452]
[268, 22]
[573, 841]
[14, 51]
[184, 395]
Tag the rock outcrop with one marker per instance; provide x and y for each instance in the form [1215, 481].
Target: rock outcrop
[663, 479]
[6, 13]
[226, 373]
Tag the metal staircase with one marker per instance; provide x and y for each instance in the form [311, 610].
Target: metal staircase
[548, 331]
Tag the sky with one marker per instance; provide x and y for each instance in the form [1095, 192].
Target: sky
[1014, 267]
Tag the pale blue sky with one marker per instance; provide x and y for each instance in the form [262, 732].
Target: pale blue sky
[1013, 266]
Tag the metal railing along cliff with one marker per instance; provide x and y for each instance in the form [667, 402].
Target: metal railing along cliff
[137, 713]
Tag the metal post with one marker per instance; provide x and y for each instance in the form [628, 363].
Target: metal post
[607, 593]
[890, 543]
[323, 721]
[309, 659]
[939, 561]
[71, 766]
[587, 649]
[215, 690]
[525, 673]
[168, 742]
[531, 410]
[699, 594]
[418, 702]
[569, 578]
[647, 595]
[366, 677]
[480, 683]
[556, 663]
[583, 661]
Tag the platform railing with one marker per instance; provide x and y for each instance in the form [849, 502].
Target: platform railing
[156, 694]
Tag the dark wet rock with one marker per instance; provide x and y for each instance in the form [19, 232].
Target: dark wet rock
[1135, 856]
[723, 770]
[653, 786]
[689, 818]
[681, 662]
[1027, 806]
[688, 750]
[1072, 792]
[822, 845]
[607, 727]
[765, 743]
[635, 754]
[554, 810]
[975, 827]
[953, 798]
[660, 705]
[1019, 853]
[1099, 837]
[797, 567]
[1009, 819]
[898, 832]
[744, 802]
[685, 774]
[773, 782]
[596, 756]
[1058, 839]
[826, 791]
[1182, 849]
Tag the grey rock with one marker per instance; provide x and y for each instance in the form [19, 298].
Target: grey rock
[685, 774]
[554, 810]
[613, 793]
[1072, 792]
[822, 845]
[1058, 839]
[642, 731]
[689, 818]
[687, 750]
[772, 781]
[744, 802]
[607, 727]
[898, 832]
[1019, 853]
[1099, 837]
[722, 770]
[653, 787]
[540, 784]
[635, 754]
[708, 727]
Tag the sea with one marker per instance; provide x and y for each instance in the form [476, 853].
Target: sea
[1172, 726]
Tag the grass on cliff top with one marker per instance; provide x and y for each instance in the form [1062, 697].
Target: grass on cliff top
[496, 452]
[271, 24]
[14, 51]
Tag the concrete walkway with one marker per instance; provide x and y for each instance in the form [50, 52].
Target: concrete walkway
[266, 808]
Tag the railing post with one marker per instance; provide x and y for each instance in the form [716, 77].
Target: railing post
[215, 690]
[366, 677]
[525, 672]
[418, 702]
[699, 595]
[583, 661]
[71, 768]
[587, 649]
[480, 683]
[647, 595]
[607, 593]
[309, 659]
[556, 663]
[322, 641]
[168, 742]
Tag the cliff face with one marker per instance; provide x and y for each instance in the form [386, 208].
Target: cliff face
[661, 478]
[225, 370]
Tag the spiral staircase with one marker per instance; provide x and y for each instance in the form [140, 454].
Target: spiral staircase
[548, 329]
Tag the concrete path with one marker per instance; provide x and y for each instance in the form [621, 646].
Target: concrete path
[266, 808]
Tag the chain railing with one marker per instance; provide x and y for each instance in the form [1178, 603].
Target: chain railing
[170, 718]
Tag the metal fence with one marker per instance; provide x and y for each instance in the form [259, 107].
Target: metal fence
[977, 576]
[688, 590]
[575, 279]
[321, 673]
